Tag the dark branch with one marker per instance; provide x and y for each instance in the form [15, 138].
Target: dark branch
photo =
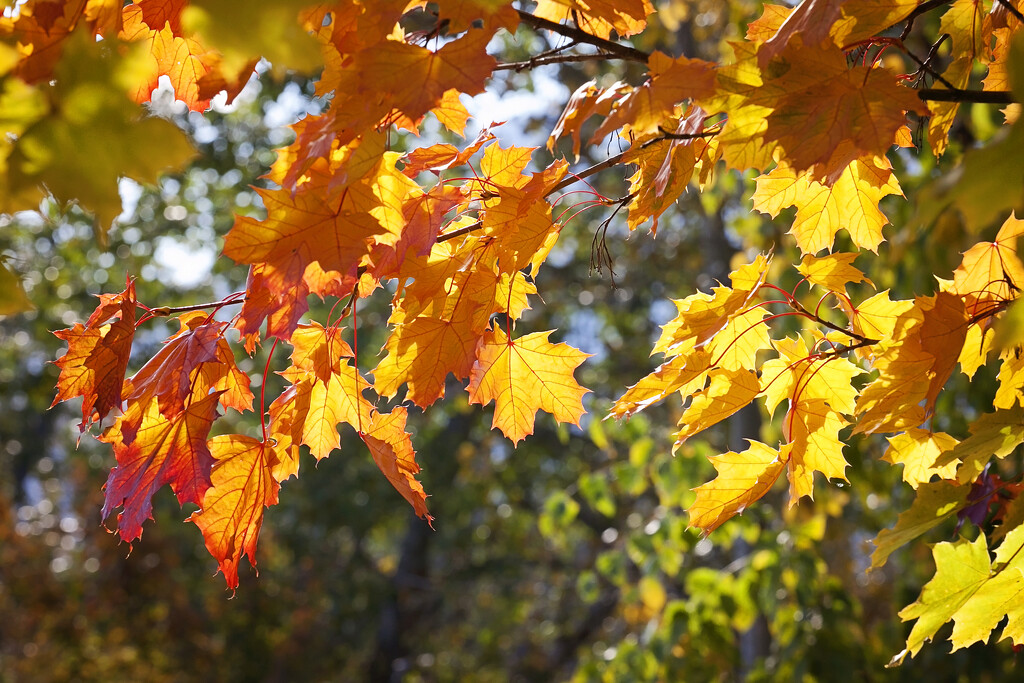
[163, 311]
[613, 160]
[926, 63]
[460, 232]
[587, 172]
[975, 96]
[923, 8]
[617, 49]
[553, 59]
[1012, 10]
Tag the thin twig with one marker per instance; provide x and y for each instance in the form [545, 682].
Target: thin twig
[460, 232]
[923, 8]
[925, 64]
[587, 172]
[163, 311]
[618, 49]
[534, 62]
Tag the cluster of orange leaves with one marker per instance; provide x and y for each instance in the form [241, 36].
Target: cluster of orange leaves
[798, 102]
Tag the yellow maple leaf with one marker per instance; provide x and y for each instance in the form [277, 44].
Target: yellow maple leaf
[973, 590]
[993, 435]
[976, 347]
[318, 407]
[422, 352]
[850, 203]
[735, 346]
[960, 570]
[811, 429]
[742, 479]
[917, 450]
[914, 364]
[1011, 379]
[702, 316]
[728, 392]
[797, 376]
[991, 272]
[741, 94]
[934, 503]
[876, 318]
[685, 373]
[831, 271]
[523, 376]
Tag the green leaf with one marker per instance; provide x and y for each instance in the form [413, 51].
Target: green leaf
[972, 591]
[960, 570]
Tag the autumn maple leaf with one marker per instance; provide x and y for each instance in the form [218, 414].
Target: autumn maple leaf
[160, 451]
[391, 447]
[523, 376]
[242, 486]
[97, 357]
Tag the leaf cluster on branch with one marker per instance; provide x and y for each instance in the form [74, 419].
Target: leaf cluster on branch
[813, 102]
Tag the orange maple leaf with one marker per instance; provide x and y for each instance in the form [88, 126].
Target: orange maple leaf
[97, 357]
[168, 375]
[599, 17]
[243, 485]
[159, 450]
[156, 13]
[647, 108]
[183, 60]
[525, 375]
[825, 115]
[319, 350]
[391, 447]
[306, 226]
[422, 352]
[420, 78]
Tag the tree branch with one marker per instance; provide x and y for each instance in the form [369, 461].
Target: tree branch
[923, 8]
[553, 59]
[587, 172]
[1011, 9]
[975, 96]
[163, 311]
[617, 49]
[460, 232]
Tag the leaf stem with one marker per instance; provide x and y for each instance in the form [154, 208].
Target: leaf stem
[263, 391]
